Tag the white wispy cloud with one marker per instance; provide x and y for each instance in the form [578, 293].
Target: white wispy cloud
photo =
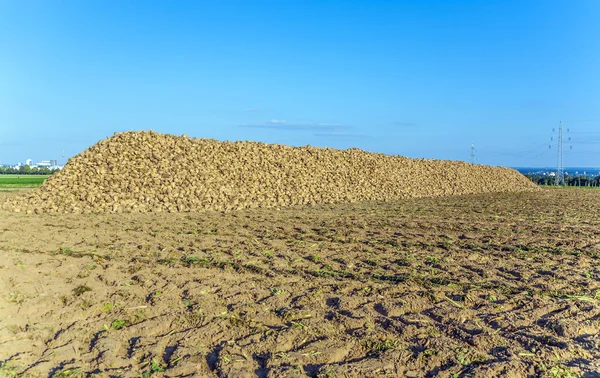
[405, 124]
[340, 134]
[284, 125]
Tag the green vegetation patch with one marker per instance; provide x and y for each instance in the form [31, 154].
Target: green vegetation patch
[21, 181]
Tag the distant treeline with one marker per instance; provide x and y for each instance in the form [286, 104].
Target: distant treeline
[569, 180]
[26, 170]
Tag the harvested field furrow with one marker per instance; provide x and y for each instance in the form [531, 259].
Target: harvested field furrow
[418, 287]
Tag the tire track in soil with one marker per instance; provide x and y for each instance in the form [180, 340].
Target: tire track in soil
[482, 285]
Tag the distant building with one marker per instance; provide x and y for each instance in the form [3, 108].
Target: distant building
[44, 164]
[47, 164]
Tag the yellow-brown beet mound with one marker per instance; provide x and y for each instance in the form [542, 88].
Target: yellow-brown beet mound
[152, 172]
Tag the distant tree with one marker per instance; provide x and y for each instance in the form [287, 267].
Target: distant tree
[540, 179]
[27, 170]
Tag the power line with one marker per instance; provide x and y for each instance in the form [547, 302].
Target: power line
[538, 155]
[586, 142]
[587, 132]
[534, 150]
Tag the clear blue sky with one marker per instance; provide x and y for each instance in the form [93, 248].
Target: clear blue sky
[414, 78]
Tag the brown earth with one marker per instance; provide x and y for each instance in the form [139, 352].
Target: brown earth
[479, 285]
[152, 172]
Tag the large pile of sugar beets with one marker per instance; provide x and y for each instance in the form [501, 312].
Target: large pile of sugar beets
[153, 172]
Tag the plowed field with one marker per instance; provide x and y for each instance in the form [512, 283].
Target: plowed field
[479, 285]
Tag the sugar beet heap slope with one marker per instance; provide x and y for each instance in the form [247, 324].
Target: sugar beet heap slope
[153, 172]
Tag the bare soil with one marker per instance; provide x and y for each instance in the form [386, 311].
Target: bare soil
[480, 285]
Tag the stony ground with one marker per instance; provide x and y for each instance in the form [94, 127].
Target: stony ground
[480, 285]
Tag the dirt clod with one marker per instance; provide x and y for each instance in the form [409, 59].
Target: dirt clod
[359, 290]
